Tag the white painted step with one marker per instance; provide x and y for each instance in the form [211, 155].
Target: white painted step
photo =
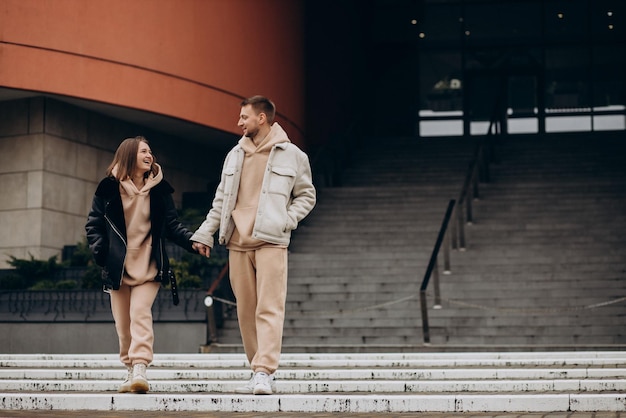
[326, 386]
[311, 403]
[327, 382]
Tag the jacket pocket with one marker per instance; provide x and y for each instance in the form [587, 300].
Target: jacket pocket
[229, 178]
[281, 181]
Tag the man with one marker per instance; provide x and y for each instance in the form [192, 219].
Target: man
[265, 190]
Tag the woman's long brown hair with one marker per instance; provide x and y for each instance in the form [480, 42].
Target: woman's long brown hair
[126, 159]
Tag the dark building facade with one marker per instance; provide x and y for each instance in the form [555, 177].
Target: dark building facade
[77, 77]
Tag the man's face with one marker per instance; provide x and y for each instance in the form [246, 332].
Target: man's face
[248, 121]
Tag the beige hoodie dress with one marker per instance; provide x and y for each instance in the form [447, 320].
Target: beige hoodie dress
[139, 267]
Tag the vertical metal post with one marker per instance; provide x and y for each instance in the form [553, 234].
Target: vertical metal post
[436, 284]
[468, 201]
[425, 328]
[453, 230]
[211, 328]
[461, 224]
[446, 253]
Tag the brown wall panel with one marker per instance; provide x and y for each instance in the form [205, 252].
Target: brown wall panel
[191, 59]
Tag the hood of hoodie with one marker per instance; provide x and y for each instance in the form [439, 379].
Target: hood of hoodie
[151, 181]
[276, 135]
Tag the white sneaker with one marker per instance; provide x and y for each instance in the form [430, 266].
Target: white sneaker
[139, 384]
[247, 388]
[250, 385]
[125, 386]
[262, 384]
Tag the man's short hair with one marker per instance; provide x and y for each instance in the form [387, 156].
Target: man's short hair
[261, 104]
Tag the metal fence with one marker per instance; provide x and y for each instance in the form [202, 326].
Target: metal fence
[92, 306]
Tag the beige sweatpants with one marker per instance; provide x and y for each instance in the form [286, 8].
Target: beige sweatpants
[132, 311]
[259, 282]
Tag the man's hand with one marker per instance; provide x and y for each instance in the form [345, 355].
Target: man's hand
[202, 249]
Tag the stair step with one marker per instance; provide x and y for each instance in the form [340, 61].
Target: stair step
[542, 264]
[389, 382]
[337, 386]
[330, 403]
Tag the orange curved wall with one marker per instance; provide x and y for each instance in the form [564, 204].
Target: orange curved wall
[190, 59]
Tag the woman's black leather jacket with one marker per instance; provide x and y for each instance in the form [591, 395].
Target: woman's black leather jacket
[106, 230]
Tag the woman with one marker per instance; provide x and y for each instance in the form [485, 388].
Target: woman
[131, 214]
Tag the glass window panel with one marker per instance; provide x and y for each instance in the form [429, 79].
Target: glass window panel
[567, 82]
[609, 122]
[483, 89]
[568, 123]
[392, 22]
[608, 20]
[522, 94]
[523, 126]
[503, 22]
[441, 127]
[441, 84]
[609, 70]
[566, 21]
[581, 48]
[479, 128]
[441, 23]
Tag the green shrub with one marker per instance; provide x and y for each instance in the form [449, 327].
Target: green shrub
[43, 285]
[190, 282]
[92, 277]
[185, 278]
[82, 254]
[66, 285]
[28, 272]
[12, 281]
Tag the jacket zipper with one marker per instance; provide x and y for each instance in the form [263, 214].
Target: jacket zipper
[162, 262]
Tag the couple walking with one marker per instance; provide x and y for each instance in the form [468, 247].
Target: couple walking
[265, 190]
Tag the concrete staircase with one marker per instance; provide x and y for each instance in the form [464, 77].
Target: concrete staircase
[532, 318]
[366, 245]
[545, 263]
[326, 383]
[545, 266]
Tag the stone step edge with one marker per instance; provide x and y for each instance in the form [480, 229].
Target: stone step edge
[598, 350]
[357, 363]
[284, 387]
[389, 403]
[619, 352]
[313, 375]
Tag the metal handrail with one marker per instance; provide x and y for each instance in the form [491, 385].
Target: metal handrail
[433, 271]
[478, 165]
[478, 169]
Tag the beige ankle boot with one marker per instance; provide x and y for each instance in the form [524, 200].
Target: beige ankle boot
[139, 384]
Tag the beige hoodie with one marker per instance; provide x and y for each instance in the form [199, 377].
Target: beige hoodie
[252, 171]
[139, 266]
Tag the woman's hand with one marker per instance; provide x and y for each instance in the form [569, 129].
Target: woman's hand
[202, 249]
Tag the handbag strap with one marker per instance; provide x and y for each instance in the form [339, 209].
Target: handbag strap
[175, 298]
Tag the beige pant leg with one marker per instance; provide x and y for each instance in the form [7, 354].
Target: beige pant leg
[270, 312]
[259, 282]
[132, 311]
[120, 308]
[242, 275]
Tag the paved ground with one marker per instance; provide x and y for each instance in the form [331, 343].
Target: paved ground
[151, 414]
